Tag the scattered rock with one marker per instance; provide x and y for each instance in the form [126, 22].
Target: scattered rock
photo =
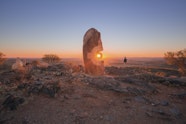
[39, 87]
[107, 83]
[135, 91]
[160, 114]
[22, 86]
[108, 117]
[172, 82]
[77, 69]
[164, 103]
[110, 91]
[50, 89]
[4, 121]
[12, 102]
[176, 112]
[179, 95]
[10, 77]
[148, 87]
[141, 99]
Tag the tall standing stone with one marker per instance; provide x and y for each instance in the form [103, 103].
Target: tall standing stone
[92, 56]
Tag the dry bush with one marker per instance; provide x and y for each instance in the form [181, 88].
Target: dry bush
[2, 59]
[51, 58]
[177, 58]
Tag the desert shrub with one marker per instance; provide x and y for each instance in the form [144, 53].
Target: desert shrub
[51, 58]
[178, 59]
[2, 59]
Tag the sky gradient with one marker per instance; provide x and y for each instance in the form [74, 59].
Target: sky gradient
[132, 28]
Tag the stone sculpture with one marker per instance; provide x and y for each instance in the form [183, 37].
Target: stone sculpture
[92, 56]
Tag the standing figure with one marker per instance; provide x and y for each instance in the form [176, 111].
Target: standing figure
[125, 60]
[92, 56]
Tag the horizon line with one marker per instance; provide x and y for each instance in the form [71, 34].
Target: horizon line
[80, 57]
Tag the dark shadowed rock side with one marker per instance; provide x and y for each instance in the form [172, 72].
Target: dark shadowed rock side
[92, 47]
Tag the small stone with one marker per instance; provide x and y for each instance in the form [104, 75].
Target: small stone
[66, 96]
[101, 117]
[153, 104]
[164, 103]
[148, 114]
[22, 86]
[39, 83]
[140, 99]
[84, 114]
[108, 117]
[12, 102]
[176, 112]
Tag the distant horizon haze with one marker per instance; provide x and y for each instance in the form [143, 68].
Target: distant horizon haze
[105, 56]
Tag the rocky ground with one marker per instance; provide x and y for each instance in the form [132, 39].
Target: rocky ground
[64, 94]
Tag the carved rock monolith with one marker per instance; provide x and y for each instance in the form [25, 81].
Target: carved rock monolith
[92, 56]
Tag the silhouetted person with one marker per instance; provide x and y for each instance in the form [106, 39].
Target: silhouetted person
[125, 60]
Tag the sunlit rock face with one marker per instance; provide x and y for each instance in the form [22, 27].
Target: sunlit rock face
[18, 65]
[92, 56]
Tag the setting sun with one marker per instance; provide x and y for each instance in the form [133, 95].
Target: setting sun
[99, 55]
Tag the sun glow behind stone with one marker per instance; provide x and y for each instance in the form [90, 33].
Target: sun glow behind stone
[99, 55]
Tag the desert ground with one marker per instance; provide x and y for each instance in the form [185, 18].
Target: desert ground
[142, 91]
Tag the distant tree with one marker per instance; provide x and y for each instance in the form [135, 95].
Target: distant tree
[2, 59]
[177, 58]
[50, 58]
